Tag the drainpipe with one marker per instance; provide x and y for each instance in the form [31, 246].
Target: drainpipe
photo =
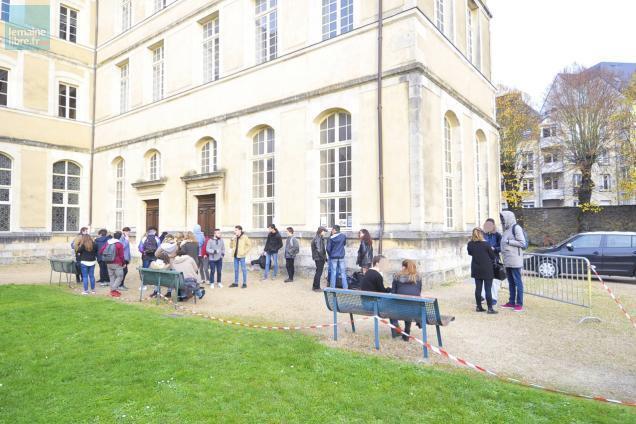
[94, 107]
[380, 153]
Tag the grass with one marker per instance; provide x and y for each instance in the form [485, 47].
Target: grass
[66, 358]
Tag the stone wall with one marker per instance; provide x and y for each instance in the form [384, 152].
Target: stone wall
[547, 226]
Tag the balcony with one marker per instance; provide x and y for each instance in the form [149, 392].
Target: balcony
[553, 194]
[552, 167]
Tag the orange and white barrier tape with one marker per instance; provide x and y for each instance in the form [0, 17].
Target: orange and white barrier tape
[441, 352]
[618, 302]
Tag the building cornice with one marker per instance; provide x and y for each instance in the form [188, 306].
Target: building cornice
[41, 144]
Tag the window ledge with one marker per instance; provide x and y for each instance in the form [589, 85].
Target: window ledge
[216, 175]
[153, 183]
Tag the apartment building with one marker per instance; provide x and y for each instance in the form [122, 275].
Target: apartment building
[256, 111]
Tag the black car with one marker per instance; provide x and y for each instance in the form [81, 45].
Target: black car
[611, 252]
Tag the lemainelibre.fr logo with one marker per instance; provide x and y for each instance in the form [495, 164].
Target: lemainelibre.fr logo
[26, 26]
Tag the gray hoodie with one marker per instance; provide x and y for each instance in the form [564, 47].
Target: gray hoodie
[512, 245]
[215, 249]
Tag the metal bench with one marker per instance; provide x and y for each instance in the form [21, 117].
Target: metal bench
[62, 266]
[162, 278]
[385, 305]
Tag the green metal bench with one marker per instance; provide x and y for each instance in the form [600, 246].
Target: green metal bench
[162, 278]
[385, 305]
[62, 266]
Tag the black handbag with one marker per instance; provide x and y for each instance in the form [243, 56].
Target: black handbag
[499, 270]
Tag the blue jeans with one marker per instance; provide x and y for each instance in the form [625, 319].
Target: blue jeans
[146, 259]
[217, 265]
[268, 260]
[515, 286]
[337, 266]
[241, 262]
[88, 272]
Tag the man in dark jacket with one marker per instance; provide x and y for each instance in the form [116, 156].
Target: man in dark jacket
[336, 251]
[272, 246]
[292, 247]
[372, 280]
[319, 255]
[101, 241]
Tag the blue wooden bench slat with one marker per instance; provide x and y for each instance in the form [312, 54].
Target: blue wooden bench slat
[162, 278]
[386, 305]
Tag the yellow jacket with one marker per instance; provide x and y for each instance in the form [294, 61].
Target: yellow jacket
[244, 246]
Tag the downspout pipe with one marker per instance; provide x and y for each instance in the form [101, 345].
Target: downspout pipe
[380, 148]
[94, 108]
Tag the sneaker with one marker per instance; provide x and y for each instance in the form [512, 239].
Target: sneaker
[211, 285]
[84, 293]
[169, 295]
[494, 301]
[244, 286]
[273, 278]
[115, 293]
[518, 308]
[508, 305]
[289, 281]
[492, 312]
[219, 285]
[264, 278]
[202, 294]
[103, 284]
[93, 292]
[233, 285]
[153, 295]
[143, 288]
[317, 290]
[479, 309]
[122, 287]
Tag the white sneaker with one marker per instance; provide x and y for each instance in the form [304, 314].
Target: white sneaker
[143, 288]
[211, 285]
[219, 285]
[84, 293]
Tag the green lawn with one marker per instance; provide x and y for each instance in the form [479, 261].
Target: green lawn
[67, 358]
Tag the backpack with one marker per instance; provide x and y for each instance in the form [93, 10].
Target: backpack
[109, 253]
[356, 280]
[150, 245]
[525, 235]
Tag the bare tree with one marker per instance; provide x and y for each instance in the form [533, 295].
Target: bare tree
[586, 105]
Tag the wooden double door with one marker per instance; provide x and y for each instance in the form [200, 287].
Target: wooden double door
[207, 213]
[152, 213]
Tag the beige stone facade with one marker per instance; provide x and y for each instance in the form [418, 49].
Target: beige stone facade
[252, 111]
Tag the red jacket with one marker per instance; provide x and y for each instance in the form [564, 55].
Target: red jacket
[119, 252]
[204, 253]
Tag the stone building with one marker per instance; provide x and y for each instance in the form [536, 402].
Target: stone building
[255, 111]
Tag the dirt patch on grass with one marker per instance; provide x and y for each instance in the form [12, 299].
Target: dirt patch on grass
[545, 344]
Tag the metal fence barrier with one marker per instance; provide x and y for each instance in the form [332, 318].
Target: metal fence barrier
[566, 279]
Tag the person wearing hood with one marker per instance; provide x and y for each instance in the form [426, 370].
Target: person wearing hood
[125, 240]
[406, 282]
[186, 265]
[319, 255]
[201, 240]
[273, 244]
[116, 266]
[215, 249]
[336, 251]
[101, 241]
[513, 243]
[168, 248]
[148, 246]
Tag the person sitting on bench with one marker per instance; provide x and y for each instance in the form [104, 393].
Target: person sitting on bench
[372, 280]
[406, 282]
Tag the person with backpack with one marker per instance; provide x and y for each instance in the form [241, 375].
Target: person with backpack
[513, 242]
[272, 246]
[113, 256]
[101, 241]
[148, 247]
[493, 237]
[292, 247]
[87, 258]
[365, 251]
[319, 255]
[336, 251]
[239, 246]
[215, 249]
[125, 241]
[481, 268]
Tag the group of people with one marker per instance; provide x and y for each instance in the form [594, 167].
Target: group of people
[488, 248]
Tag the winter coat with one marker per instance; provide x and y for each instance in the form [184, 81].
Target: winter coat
[274, 242]
[186, 265]
[241, 247]
[494, 239]
[190, 248]
[318, 249]
[126, 243]
[84, 255]
[292, 247]
[167, 249]
[373, 282]
[402, 285]
[336, 246]
[199, 235]
[119, 251]
[365, 255]
[481, 266]
[215, 249]
[512, 245]
[101, 242]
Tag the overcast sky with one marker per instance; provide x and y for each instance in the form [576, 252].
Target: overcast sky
[535, 39]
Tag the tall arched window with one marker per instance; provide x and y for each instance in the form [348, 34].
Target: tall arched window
[335, 170]
[448, 173]
[5, 192]
[120, 175]
[208, 156]
[263, 170]
[266, 14]
[66, 188]
[154, 166]
[445, 17]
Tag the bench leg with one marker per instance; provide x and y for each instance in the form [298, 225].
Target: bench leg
[51, 277]
[439, 336]
[59, 279]
[335, 318]
[353, 324]
[376, 325]
[424, 338]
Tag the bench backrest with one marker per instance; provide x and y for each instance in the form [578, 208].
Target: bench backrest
[162, 278]
[409, 308]
[66, 266]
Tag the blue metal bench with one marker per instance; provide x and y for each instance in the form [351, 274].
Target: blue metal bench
[385, 305]
[162, 278]
[62, 266]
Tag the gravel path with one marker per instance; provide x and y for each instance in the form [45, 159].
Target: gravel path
[545, 344]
